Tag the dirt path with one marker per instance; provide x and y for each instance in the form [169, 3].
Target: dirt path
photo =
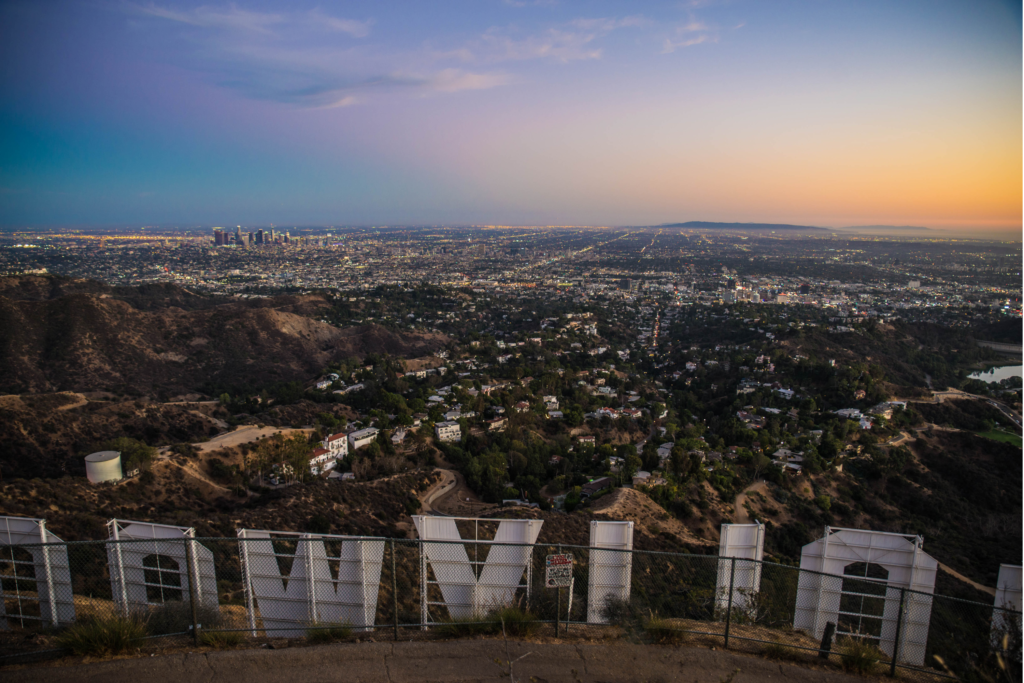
[79, 401]
[221, 424]
[244, 434]
[195, 474]
[740, 515]
[444, 485]
[958, 575]
[899, 440]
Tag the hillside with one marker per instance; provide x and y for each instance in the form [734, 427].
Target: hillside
[959, 491]
[73, 335]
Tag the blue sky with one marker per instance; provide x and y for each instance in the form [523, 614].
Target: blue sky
[829, 113]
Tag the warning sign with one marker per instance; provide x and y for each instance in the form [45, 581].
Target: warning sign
[558, 571]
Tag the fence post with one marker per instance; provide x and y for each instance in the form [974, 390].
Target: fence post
[899, 628]
[192, 591]
[728, 612]
[558, 595]
[394, 586]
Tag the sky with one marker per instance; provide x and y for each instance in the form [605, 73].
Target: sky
[511, 112]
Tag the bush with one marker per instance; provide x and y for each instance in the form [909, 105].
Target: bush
[328, 633]
[860, 657]
[104, 636]
[220, 638]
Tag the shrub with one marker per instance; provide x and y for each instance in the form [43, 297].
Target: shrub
[328, 633]
[103, 636]
[220, 638]
[860, 657]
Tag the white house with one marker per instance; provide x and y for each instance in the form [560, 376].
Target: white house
[336, 444]
[448, 431]
[363, 437]
[321, 461]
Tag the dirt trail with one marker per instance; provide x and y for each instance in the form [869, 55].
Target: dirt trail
[443, 485]
[740, 515]
[79, 401]
[958, 575]
[244, 434]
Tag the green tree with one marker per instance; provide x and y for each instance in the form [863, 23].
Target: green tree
[134, 453]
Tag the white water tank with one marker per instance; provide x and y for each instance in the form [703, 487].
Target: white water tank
[103, 466]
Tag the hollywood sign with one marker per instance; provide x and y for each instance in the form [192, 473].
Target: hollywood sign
[292, 580]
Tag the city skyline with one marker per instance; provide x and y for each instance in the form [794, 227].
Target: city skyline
[513, 113]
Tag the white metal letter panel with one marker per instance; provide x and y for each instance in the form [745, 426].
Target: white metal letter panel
[52, 570]
[611, 566]
[286, 603]
[128, 573]
[465, 596]
[909, 567]
[745, 542]
[1008, 596]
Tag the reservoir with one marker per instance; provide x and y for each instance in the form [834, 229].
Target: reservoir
[998, 374]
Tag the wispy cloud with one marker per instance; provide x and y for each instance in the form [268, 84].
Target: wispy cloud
[233, 18]
[573, 41]
[291, 58]
[353, 27]
[531, 3]
[693, 32]
[230, 17]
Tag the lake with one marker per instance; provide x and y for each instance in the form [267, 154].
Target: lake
[999, 374]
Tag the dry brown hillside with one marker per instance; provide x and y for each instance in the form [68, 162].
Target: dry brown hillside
[59, 335]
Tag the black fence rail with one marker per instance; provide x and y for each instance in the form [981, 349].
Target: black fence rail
[268, 585]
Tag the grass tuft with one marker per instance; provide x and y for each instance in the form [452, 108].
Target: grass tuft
[663, 632]
[103, 636]
[518, 622]
[860, 656]
[465, 627]
[778, 651]
[221, 639]
[328, 633]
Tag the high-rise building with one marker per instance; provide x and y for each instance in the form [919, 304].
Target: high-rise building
[218, 237]
[259, 236]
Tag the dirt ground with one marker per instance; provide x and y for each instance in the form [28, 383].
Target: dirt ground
[634, 506]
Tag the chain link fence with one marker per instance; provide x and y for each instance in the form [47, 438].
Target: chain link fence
[268, 585]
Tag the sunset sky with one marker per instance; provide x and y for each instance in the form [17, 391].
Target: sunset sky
[506, 112]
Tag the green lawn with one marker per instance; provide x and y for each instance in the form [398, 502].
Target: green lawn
[1001, 436]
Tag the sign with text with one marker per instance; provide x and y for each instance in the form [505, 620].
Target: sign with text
[558, 571]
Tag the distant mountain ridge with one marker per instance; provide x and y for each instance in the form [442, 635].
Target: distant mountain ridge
[709, 225]
[889, 228]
